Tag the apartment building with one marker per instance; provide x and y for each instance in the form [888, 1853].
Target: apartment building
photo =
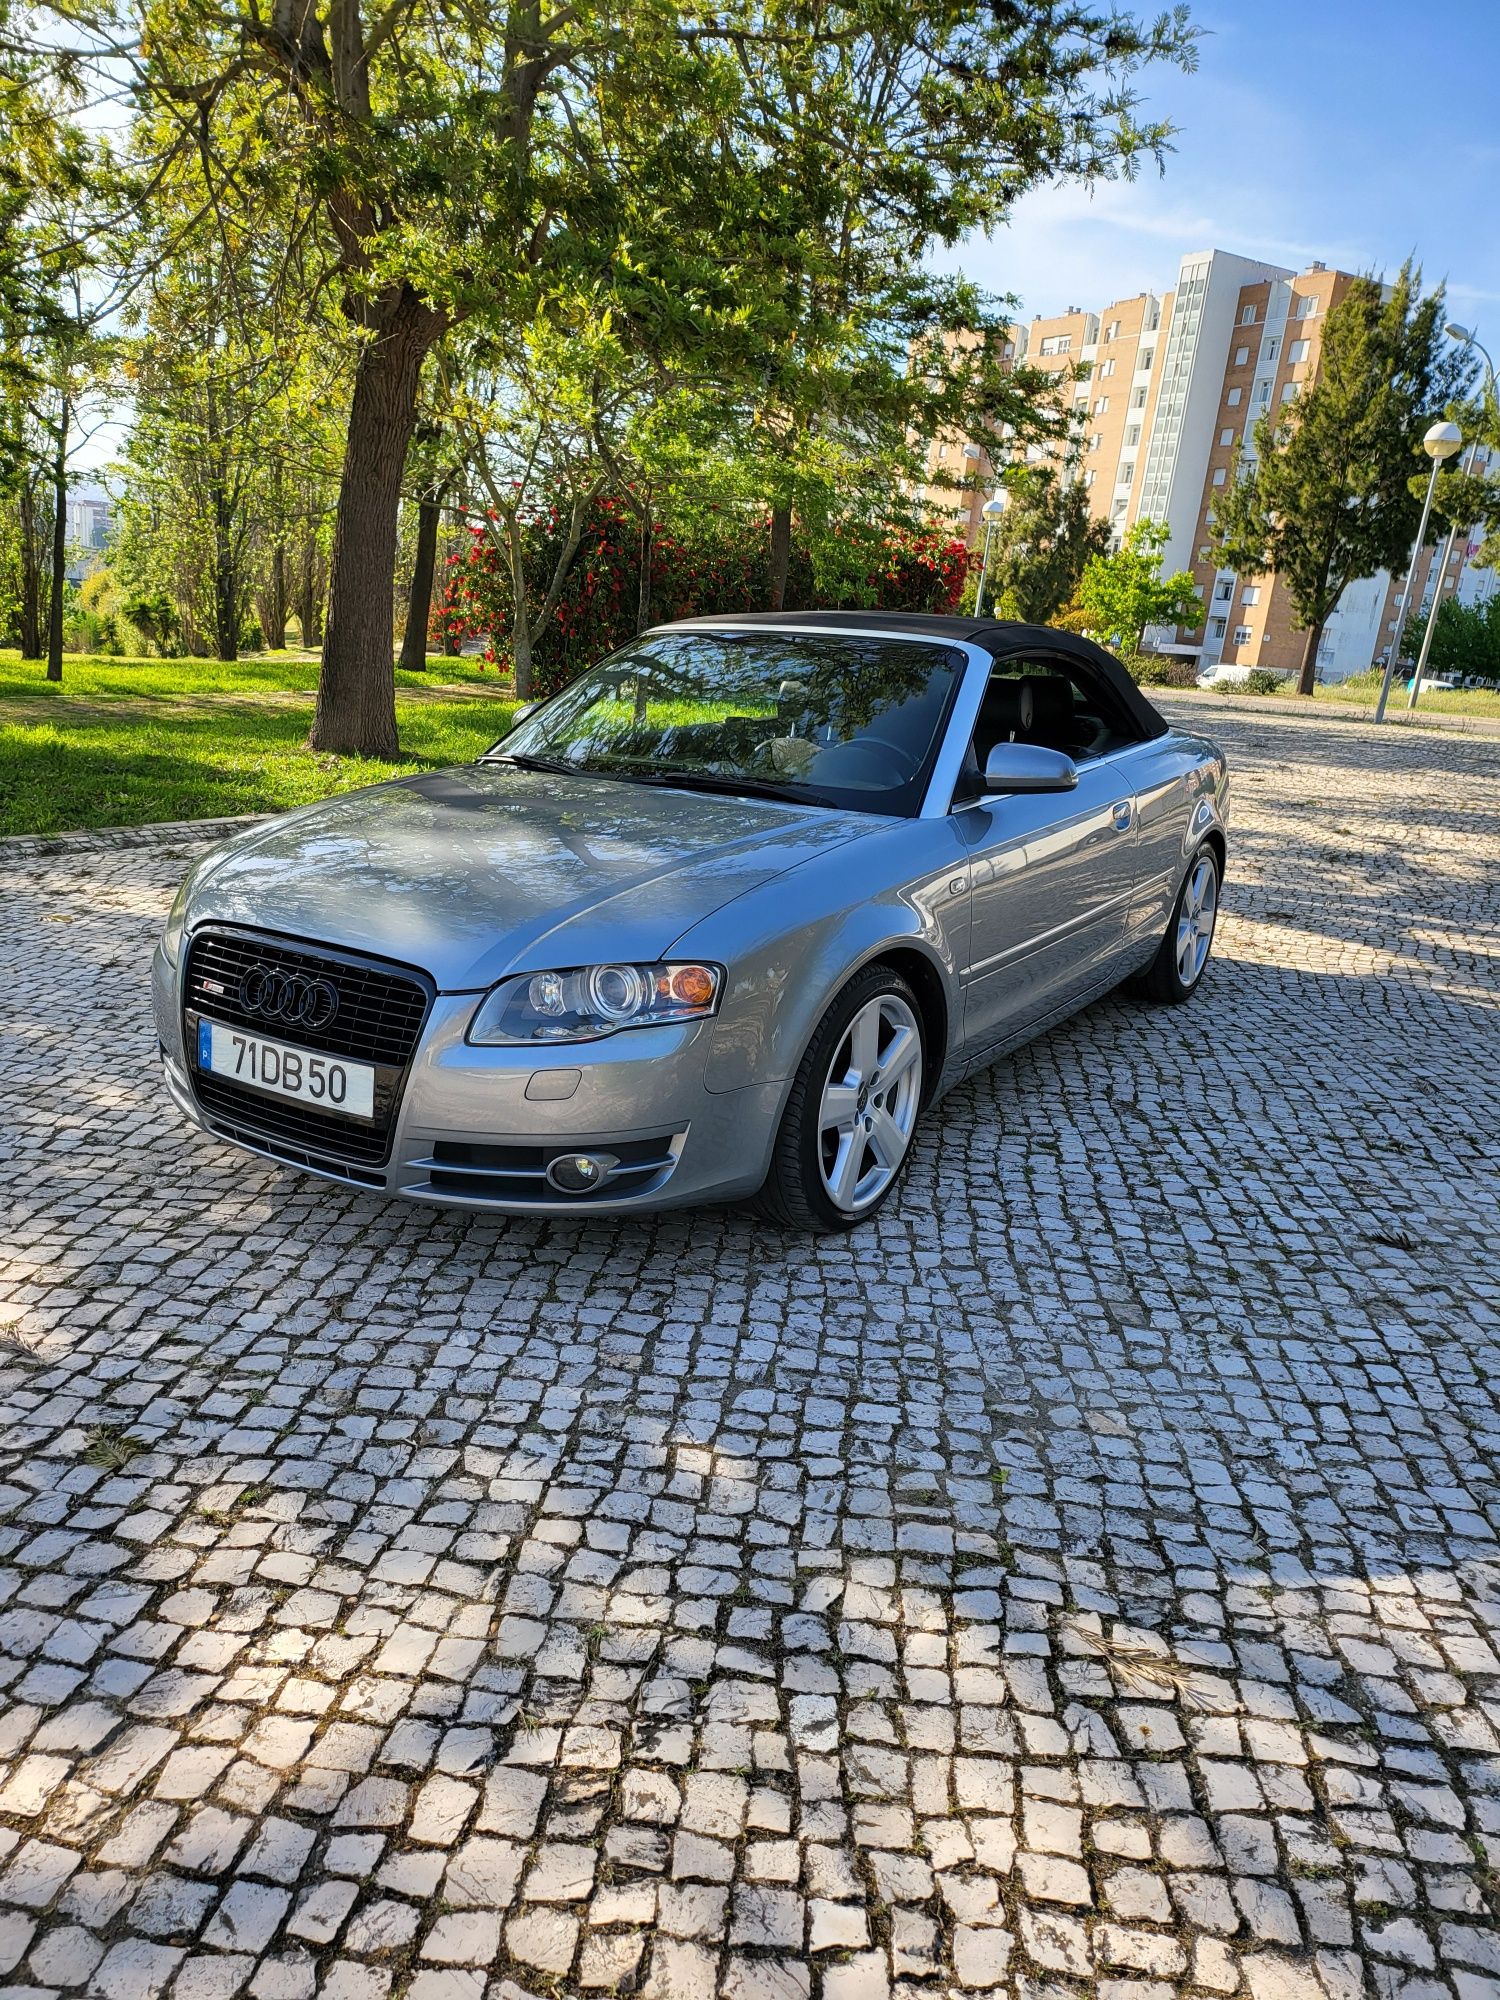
[1176, 385]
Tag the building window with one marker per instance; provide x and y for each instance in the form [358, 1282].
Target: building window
[1101, 404]
[1227, 436]
[1297, 352]
[1307, 307]
[1106, 367]
[1234, 398]
[1262, 394]
[1145, 358]
[1289, 392]
[1117, 512]
[1216, 626]
[1225, 591]
[1138, 400]
[1219, 475]
[1133, 434]
[1096, 440]
[1242, 635]
[1241, 356]
[1057, 343]
[1250, 594]
[1126, 472]
[1247, 317]
[1090, 476]
[1273, 347]
[1112, 331]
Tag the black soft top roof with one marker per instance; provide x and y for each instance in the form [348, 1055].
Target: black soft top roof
[1001, 638]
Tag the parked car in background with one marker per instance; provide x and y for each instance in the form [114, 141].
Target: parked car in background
[1437, 684]
[720, 919]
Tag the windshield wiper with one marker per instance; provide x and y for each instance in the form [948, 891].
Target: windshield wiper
[755, 788]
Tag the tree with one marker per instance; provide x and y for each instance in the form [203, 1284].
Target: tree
[1333, 491]
[1466, 641]
[1042, 545]
[1122, 594]
[492, 159]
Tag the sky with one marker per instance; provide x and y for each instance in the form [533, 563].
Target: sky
[1356, 132]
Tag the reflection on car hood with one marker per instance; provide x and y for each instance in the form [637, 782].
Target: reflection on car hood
[483, 869]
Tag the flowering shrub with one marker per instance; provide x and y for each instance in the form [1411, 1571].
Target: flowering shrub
[720, 567]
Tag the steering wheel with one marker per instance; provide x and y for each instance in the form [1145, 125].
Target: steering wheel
[874, 765]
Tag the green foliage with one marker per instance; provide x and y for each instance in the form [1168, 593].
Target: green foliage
[1465, 642]
[1123, 593]
[713, 562]
[1160, 670]
[1042, 545]
[1335, 491]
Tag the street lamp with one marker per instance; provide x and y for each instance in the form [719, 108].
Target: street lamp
[991, 513]
[1463, 334]
[1440, 443]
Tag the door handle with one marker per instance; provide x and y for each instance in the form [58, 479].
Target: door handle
[1124, 814]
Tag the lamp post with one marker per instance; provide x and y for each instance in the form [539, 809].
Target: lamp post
[992, 512]
[1463, 334]
[1441, 441]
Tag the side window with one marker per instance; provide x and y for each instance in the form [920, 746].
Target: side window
[1053, 701]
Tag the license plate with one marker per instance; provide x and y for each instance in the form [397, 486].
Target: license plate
[280, 1071]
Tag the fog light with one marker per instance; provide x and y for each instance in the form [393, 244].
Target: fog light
[580, 1173]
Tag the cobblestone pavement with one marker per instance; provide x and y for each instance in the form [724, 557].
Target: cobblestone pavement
[1083, 1580]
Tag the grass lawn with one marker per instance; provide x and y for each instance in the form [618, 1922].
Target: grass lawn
[126, 742]
[1364, 692]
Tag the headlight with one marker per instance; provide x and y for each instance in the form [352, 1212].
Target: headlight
[171, 937]
[594, 1000]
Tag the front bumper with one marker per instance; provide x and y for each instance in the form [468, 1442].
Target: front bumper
[477, 1126]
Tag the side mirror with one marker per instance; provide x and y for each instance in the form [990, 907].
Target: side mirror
[1029, 767]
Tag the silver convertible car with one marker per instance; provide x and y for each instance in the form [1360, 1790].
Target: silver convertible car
[720, 920]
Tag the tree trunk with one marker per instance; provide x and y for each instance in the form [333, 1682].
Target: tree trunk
[781, 555]
[310, 594]
[419, 602]
[643, 579]
[31, 573]
[226, 581]
[273, 618]
[1307, 679]
[59, 544]
[520, 624]
[356, 712]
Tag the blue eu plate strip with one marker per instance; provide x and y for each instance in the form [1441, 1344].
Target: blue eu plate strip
[205, 1046]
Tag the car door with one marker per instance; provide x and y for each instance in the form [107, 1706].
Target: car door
[1052, 877]
[1050, 880]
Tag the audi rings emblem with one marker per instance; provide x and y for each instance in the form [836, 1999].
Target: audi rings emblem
[295, 998]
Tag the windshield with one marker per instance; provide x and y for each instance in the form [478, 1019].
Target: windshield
[833, 718]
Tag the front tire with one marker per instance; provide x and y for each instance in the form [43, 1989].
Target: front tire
[845, 1135]
[1175, 973]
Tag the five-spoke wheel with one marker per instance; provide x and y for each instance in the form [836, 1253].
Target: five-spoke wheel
[870, 1102]
[1177, 968]
[846, 1133]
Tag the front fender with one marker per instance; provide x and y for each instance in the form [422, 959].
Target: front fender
[791, 945]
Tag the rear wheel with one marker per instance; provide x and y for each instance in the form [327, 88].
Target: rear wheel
[1174, 973]
[845, 1136]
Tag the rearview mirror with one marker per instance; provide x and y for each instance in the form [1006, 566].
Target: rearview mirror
[1028, 767]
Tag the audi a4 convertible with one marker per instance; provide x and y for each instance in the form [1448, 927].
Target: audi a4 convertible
[720, 920]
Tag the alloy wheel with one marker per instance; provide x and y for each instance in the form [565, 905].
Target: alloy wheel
[870, 1101]
[1195, 920]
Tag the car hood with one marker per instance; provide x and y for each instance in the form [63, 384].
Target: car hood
[486, 869]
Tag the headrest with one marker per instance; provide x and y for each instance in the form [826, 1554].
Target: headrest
[1000, 711]
[1046, 706]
